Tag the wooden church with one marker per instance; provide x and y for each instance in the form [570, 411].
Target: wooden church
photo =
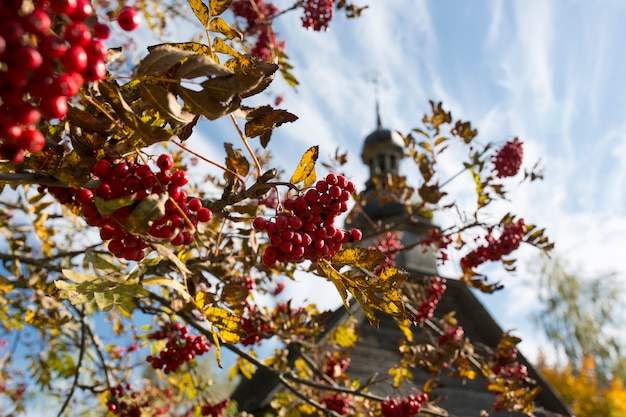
[377, 349]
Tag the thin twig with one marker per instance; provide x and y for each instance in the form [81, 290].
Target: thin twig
[81, 354]
[245, 142]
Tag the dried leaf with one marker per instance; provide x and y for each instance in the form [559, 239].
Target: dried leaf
[201, 11]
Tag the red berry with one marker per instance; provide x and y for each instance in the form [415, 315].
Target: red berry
[204, 215]
[32, 140]
[128, 19]
[77, 33]
[38, 22]
[165, 162]
[54, 107]
[101, 31]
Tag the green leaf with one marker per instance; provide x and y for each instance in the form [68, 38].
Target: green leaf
[76, 276]
[201, 11]
[108, 207]
[152, 207]
[306, 167]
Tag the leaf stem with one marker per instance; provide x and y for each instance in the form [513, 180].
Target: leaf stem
[245, 142]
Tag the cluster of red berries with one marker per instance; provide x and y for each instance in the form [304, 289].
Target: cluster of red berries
[317, 14]
[306, 228]
[257, 14]
[510, 239]
[441, 243]
[136, 182]
[46, 53]
[407, 407]
[390, 245]
[256, 328]
[452, 337]
[507, 366]
[426, 310]
[336, 366]
[181, 347]
[215, 410]
[339, 403]
[508, 160]
[123, 403]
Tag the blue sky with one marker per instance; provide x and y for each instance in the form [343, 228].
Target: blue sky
[552, 73]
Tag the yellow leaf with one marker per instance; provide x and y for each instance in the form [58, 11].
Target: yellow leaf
[219, 25]
[405, 326]
[399, 374]
[229, 325]
[358, 257]
[306, 166]
[201, 11]
[345, 334]
[222, 47]
[219, 6]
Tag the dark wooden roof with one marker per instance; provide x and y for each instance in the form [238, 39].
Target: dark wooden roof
[377, 351]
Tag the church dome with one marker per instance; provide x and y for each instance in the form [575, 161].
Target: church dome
[381, 141]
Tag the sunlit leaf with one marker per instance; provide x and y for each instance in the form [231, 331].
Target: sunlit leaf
[168, 282]
[201, 11]
[344, 335]
[358, 257]
[306, 165]
[219, 25]
[219, 6]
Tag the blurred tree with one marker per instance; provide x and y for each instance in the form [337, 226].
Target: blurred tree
[580, 316]
[581, 388]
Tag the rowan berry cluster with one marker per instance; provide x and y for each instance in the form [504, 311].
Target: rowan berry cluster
[135, 182]
[507, 366]
[317, 14]
[336, 366]
[440, 241]
[508, 160]
[453, 336]
[256, 327]
[406, 407]
[181, 347]
[124, 403]
[215, 410]
[426, 310]
[257, 14]
[510, 239]
[46, 54]
[339, 403]
[306, 228]
[390, 245]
